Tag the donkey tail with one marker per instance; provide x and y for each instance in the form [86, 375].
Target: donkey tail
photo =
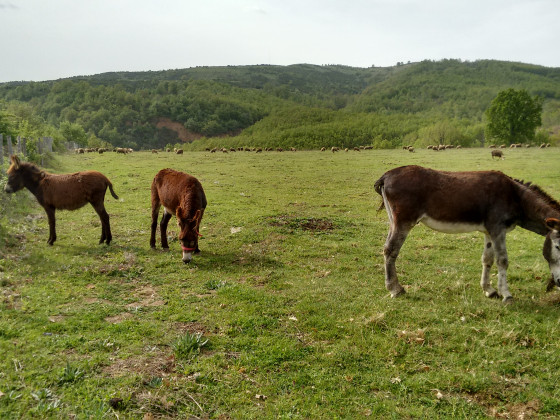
[112, 191]
[379, 184]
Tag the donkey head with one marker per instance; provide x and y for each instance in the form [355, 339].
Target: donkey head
[551, 248]
[189, 232]
[15, 176]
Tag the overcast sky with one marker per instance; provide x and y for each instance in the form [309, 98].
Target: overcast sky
[52, 39]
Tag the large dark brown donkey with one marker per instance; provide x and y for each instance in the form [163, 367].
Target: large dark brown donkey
[62, 192]
[181, 195]
[454, 202]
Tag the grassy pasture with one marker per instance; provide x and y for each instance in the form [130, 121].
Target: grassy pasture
[288, 291]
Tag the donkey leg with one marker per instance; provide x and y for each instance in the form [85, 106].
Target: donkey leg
[52, 224]
[155, 213]
[502, 262]
[105, 224]
[197, 250]
[393, 245]
[487, 262]
[108, 236]
[163, 228]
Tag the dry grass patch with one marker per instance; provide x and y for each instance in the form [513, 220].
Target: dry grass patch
[157, 363]
[117, 319]
[10, 299]
[147, 297]
[302, 223]
[190, 327]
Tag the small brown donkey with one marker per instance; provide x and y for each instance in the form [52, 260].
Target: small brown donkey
[181, 195]
[453, 202]
[62, 192]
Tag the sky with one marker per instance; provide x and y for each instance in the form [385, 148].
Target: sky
[53, 39]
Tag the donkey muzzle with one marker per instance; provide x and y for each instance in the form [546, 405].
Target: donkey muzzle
[187, 254]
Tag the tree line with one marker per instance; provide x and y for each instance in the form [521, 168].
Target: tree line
[301, 106]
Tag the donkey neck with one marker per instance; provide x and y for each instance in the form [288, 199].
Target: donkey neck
[32, 181]
[189, 205]
[537, 206]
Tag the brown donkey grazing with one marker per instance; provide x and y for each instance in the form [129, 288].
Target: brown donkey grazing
[454, 202]
[181, 195]
[497, 153]
[62, 192]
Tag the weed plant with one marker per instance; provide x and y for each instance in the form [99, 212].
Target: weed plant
[189, 345]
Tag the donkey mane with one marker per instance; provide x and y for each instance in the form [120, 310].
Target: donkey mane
[31, 167]
[544, 196]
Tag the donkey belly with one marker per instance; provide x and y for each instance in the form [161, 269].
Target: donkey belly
[451, 227]
[66, 203]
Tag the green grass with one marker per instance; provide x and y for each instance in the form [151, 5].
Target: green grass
[288, 291]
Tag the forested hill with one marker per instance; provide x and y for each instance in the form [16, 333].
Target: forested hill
[303, 106]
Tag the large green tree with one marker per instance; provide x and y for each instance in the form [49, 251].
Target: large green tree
[73, 132]
[7, 125]
[513, 116]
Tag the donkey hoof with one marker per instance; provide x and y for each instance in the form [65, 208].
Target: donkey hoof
[492, 295]
[397, 293]
[508, 300]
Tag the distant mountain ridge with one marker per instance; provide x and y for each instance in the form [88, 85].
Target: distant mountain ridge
[302, 105]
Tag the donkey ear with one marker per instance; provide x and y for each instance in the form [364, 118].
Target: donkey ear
[15, 161]
[552, 223]
[197, 216]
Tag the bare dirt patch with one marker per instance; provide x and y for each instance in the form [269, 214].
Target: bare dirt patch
[117, 319]
[127, 268]
[190, 327]
[157, 364]
[56, 318]
[528, 410]
[182, 133]
[10, 298]
[93, 301]
[147, 297]
[303, 223]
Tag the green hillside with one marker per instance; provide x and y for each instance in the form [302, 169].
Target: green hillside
[304, 106]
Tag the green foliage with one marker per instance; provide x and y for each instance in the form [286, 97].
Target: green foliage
[303, 106]
[453, 132]
[13, 208]
[73, 132]
[188, 345]
[7, 126]
[70, 374]
[94, 141]
[46, 401]
[513, 116]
